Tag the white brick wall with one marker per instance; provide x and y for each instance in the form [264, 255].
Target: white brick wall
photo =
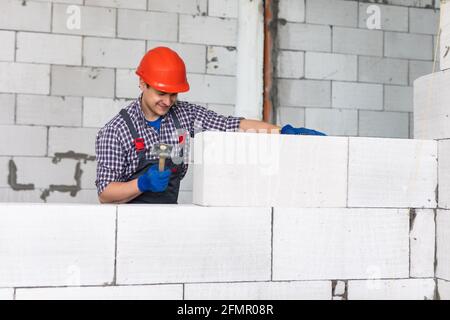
[444, 173]
[4, 164]
[380, 235]
[423, 21]
[335, 12]
[223, 8]
[304, 93]
[358, 41]
[7, 39]
[422, 244]
[204, 30]
[407, 289]
[210, 88]
[194, 7]
[22, 196]
[333, 122]
[95, 21]
[135, 4]
[295, 36]
[418, 69]
[48, 110]
[24, 78]
[396, 173]
[397, 98]
[93, 82]
[292, 10]
[34, 16]
[7, 108]
[155, 292]
[83, 253]
[403, 45]
[127, 84]
[221, 60]
[118, 53]
[383, 70]
[383, 124]
[23, 140]
[291, 64]
[330, 66]
[292, 116]
[357, 95]
[48, 48]
[97, 112]
[393, 18]
[147, 25]
[80, 140]
[167, 245]
[443, 244]
[296, 290]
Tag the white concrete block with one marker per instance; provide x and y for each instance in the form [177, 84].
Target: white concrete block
[33, 16]
[292, 10]
[127, 84]
[210, 89]
[22, 196]
[112, 53]
[192, 7]
[422, 244]
[332, 122]
[383, 70]
[223, 109]
[291, 64]
[304, 93]
[396, 173]
[393, 18]
[24, 78]
[331, 66]
[42, 172]
[431, 115]
[399, 289]
[424, 21]
[7, 108]
[155, 292]
[4, 168]
[307, 37]
[78, 140]
[295, 290]
[223, 8]
[97, 112]
[351, 95]
[23, 140]
[90, 82]
[208, 30]
[193, 55]
[81, 197]
[221, 60]
[7, 39]
[335, 12]
[358, 41]
[89, 174]
[383, 124]
[398, 98]
[123, 4]
[443, 289]
[135, 24]
[292, 116]
[93, 21]
[319, 243]
[418, 69]
[65, 1]
[445, 50]
[48, 110]
[413, 3]
[6, 294]
[166, 244]
[404, 45]
[443, 244]
[58, 49]
[444, 173]
[268, 176]
[58, 245]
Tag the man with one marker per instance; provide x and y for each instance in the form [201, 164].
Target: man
[127, 170]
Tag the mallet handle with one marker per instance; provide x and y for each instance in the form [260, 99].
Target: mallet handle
[162, 161]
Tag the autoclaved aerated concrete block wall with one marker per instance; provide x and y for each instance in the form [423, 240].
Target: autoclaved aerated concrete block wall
[54, 97]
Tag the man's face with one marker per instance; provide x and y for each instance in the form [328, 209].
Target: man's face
[156, 103]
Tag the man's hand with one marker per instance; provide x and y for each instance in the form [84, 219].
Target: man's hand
[153, 180]
[288, 129]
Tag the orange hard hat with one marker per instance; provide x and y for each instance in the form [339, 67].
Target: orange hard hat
[164, 70]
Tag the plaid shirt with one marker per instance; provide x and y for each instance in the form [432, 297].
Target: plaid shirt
[117, 159]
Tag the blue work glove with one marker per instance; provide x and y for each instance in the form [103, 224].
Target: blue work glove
[153, 180]
[288, 129]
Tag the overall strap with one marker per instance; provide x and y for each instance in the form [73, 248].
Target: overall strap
[181, 138]
[175, 118]
[139, 143]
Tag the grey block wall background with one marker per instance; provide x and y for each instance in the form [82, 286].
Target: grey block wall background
[59, 83]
